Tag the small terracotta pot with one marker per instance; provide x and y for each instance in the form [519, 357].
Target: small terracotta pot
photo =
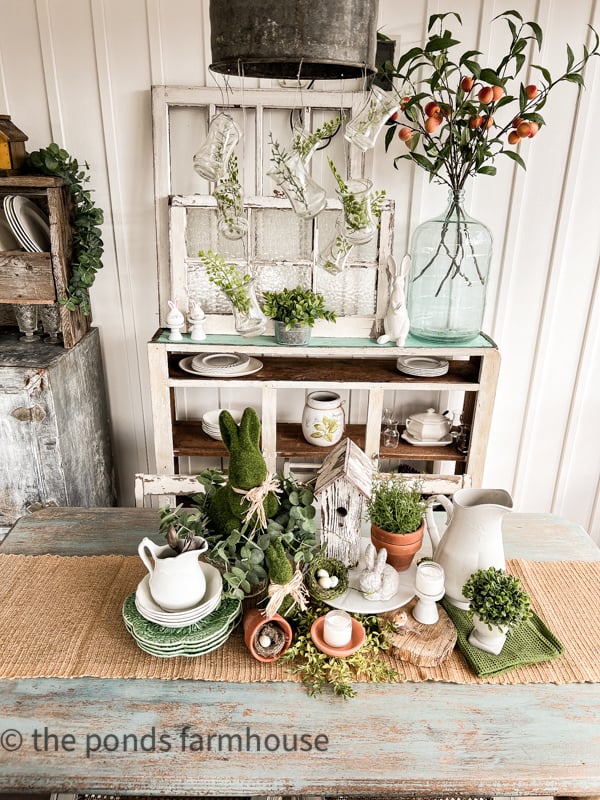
[401, 547]
[254, 621]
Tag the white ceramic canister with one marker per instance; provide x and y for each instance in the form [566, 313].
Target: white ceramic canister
[323, 418]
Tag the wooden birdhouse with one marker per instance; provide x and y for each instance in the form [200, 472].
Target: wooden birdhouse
[12, 147]
[343, 482]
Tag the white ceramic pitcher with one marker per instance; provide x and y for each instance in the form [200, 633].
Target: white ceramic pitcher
[472, 539]
[177, 580]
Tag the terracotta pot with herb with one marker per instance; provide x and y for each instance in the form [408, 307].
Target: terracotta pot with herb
[396, 510]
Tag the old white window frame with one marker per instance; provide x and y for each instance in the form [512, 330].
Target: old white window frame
[172, 209]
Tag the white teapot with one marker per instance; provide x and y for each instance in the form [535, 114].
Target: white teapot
[429, 426]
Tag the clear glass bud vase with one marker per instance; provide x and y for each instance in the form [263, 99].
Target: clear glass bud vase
[211, 159]
[291, 175]
[364, 128]
[359, 223]
[248, 316]
[450, 261]
[334, 256]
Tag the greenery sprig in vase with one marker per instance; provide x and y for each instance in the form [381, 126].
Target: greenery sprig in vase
[228, 278]
[87, 243]
[360, 208]
[230, 204]
[457, 117]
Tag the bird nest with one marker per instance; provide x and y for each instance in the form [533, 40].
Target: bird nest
[333, 567]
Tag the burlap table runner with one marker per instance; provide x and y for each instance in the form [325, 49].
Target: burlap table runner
[61, 617]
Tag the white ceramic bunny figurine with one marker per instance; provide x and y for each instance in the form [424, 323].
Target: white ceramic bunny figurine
[175, 321]
[196, 317]
[378, 581]
[396, 322]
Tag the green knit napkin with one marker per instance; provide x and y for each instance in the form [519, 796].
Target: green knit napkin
[530, 643]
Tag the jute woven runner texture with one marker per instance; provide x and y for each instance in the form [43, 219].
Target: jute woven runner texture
[61, 617]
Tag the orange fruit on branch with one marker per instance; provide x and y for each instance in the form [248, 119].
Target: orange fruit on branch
[531, 91]
[431, 109]
[485, 95]
[467, 83]
[432, 123]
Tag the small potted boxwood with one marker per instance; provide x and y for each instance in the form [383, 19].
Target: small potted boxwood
[294, 312]
[498, 605]
[396, 510]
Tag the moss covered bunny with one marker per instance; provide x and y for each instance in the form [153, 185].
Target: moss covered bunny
[247, 470]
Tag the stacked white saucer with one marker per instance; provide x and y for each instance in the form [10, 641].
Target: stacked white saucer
[210, 422]
[422, 366]
[151, 611]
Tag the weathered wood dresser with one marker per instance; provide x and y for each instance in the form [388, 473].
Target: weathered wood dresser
[54, 435]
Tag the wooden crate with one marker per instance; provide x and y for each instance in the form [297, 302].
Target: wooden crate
[42, 278]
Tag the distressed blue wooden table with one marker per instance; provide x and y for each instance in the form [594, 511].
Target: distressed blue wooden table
[142, 736]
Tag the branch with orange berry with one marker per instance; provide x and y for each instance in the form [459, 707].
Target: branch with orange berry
[452, 107]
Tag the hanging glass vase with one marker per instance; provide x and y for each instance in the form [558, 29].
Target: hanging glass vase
[359, 223]
[248, 316]
[291, 174]
[304, 144]
[450, 260]
[212, 157]
[364, 127]
[334, 256]
[231, 222]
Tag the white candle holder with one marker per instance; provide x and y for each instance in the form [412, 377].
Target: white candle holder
[429, 588]
[337, 628]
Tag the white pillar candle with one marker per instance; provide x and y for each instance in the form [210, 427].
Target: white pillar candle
[430, 578]
[337, 629]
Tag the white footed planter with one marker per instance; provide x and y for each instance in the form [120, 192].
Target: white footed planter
[492, 641]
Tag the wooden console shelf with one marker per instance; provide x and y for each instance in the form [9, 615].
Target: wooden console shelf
[343, 364]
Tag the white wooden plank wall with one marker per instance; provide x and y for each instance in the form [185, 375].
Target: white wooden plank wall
[79, 72]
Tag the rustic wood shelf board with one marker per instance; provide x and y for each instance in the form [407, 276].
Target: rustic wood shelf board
[346, 366]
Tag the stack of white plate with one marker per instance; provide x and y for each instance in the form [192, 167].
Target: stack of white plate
[28, 223]
[8, 240]
[210, 422]
[220, 365]
[151, 611]
[422, 366]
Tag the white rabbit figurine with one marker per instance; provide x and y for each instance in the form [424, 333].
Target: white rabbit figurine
[378, 580]
[196, 317]
[396, 322]
[175, 321]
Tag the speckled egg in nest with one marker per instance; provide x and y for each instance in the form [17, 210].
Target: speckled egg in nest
[326, 579]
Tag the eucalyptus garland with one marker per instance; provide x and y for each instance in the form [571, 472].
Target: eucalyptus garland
[88, 247]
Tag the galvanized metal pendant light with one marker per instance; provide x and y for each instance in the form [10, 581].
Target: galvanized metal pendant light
[310, 39]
